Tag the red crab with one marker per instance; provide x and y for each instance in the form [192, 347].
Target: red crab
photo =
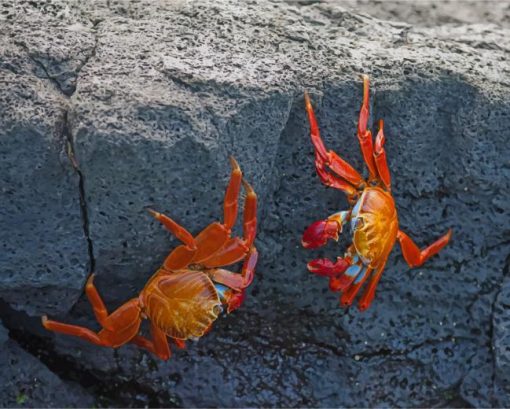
[372, 216]
[184, 297]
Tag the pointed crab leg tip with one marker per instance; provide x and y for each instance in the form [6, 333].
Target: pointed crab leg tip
[366, 85]
[366, 82]
[248, 187]
[381, 124]
[44, 320]
[345, 304]
[233, 163]
[308, 103]
[152, 212]
[449, 234]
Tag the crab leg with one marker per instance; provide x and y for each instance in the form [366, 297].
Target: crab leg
[74, 330]
[183, 254]
[235, 249]
[145, 343]
[209, 241]
[158, 345]
[348, 178]
[364, 135]
[97, 303]
[412, 253]
[232, 251]
[177, 230]
[250, 215]
[369, 292]
[214, 236]
[217, 249]
[124, 324]
[237, 283]
[231, 194]
[350, 293]
[332, 181]
[344, 280]
[380, 157]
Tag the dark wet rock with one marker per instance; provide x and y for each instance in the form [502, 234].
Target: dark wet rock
[26, 382]
[165, 93]
[501, 340]
[4, 335]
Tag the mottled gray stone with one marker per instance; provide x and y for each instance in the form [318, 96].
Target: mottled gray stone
[430, 13]
[26, 382]
[170, 91]
[501, 340]
[44, 258]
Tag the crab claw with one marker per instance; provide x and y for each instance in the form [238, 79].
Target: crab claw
[318, 233]
[326, 268]
[235, 300]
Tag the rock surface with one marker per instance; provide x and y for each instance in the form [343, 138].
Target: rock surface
[44, 252]
[431, 13]
[26, 382]
[154, 97]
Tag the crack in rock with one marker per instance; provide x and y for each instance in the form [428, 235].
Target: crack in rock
[81, 188]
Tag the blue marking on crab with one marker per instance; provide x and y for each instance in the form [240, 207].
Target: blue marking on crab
[354, 215]
[221, 289]
[361, 275]
[353, 270]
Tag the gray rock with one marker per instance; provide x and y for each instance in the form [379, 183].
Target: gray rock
[4, 335]
[429, 12]
[44, 251]
[501, 340]
[168, 92]
[26, 382]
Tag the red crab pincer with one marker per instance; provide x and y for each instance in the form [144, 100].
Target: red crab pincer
[372, 217]
[185, 296]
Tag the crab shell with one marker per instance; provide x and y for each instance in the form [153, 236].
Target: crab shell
[374, 224]
[182, 303]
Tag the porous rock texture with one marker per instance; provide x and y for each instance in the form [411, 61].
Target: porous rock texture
[26, 382]
[430, 13]
[111, 107]
[44, 250]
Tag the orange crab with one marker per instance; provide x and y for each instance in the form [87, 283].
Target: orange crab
[184, 297]
[373, 216]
